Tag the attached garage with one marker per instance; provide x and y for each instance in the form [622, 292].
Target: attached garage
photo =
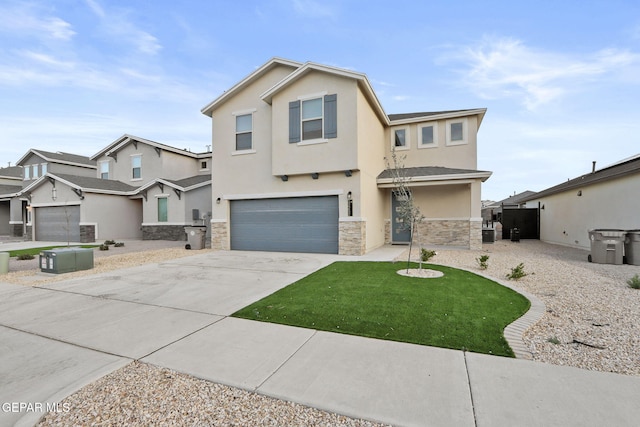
[57, 223]
[297, 224]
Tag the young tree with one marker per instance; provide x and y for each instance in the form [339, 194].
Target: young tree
[407, 211]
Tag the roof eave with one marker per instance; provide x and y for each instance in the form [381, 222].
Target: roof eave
[462, 178]
[480, 112]
[209, 108]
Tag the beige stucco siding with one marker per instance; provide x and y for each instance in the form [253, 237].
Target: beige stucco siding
[114, 217]
[370, 203]
[334, 154]
[567, 217]
[451, 201]
[463, 156]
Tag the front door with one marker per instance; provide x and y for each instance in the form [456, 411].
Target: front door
[400, 232]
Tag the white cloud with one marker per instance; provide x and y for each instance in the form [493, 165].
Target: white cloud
[117, 24]
[26, 19]
[507, 68]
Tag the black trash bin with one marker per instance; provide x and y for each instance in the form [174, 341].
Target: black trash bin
[515, 234]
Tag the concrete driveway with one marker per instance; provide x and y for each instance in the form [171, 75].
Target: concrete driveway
[58, 338]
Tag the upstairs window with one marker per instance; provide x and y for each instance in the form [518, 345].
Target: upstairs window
[456, 132]
[136, 167]
[104, 170]
[27, 173]
[313, 119]
[43, 168]
[244, 132]
[34, 171]
[400, 138]
[428, 136]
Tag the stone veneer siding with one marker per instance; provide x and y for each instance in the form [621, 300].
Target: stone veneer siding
[219, 236]
[387, 231]
[352, 238]
[164, 232]
[446, 232]
[16, 230]
[87, 233]
[29, 234]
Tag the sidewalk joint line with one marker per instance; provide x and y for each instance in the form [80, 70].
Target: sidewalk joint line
[286, 360]
[473, 406]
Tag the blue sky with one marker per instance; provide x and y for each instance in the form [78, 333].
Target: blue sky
[560, 79]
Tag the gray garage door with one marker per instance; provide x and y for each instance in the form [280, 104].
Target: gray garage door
[58, 224]
[299, 224]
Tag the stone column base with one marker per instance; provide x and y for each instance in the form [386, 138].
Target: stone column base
[352, 237]
[219, 236]
[451, 232]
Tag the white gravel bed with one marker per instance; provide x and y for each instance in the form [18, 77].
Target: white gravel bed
[145, 395]
[593, 317]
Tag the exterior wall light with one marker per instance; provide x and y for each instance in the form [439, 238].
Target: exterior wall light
[315, 175]
[218, 201]
[348, 173]
[284, 178]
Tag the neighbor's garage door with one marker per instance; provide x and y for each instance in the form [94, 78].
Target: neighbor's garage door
[53, 223]
[298, 224]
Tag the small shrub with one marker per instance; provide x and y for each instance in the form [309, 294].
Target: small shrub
[634, 282]
[104, 247]
[482, 261]
[517, 272]
[119, 244]
[553, 340]
[426, 254]
[109, 242]
[24, 257]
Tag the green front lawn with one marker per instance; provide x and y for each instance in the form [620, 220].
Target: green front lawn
[460, 310]
[36, 251]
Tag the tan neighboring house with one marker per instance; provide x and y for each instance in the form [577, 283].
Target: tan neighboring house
[299, 165]
[605, 198]
[134, 189]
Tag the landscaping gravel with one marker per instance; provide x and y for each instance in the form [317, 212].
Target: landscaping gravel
[592, 322]
[592, 318]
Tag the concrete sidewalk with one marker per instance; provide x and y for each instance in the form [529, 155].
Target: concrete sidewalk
[58, 338]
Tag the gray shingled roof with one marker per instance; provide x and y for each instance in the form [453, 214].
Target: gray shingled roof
[516, 198]
[65, 157]
[404, 116]
[429, 171]
[6, 190]
[191, 181]
[90, 183]
[11, 172]
[621, 169]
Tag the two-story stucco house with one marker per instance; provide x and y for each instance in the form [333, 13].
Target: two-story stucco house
[134, 188]
[299, 165]
[11, 218]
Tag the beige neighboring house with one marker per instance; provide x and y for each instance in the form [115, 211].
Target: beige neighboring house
[134, 189]
[299, 165]
[606, 198]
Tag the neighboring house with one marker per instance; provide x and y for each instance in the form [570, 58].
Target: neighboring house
[492, 211]
[11, 220]
[35, 165]
[299, 165]
[604, 198]
[137, 189]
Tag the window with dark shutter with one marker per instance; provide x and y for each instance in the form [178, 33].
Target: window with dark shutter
[330, 116]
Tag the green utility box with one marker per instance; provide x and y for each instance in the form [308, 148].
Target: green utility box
[65, 260]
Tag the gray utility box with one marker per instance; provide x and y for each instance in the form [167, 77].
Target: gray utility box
[196, 236]
[4, 262]
[632, 247]
[65, 260]
[607, 246]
